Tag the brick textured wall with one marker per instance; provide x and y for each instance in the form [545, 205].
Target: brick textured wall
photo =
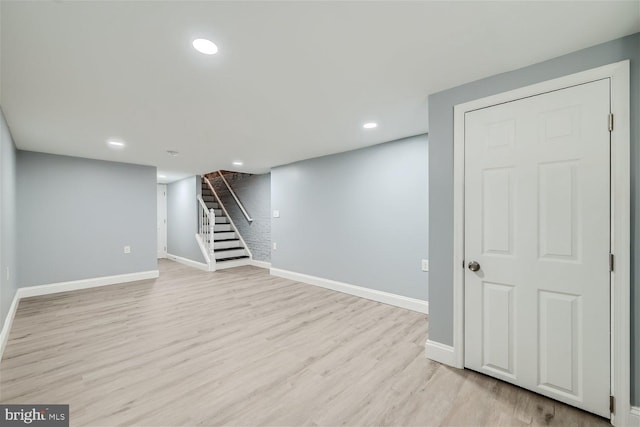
[254, 191]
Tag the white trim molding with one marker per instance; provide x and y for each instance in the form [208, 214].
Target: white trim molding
[8, 321]
[618, 75]
[439, 352]
[413, 304]
[634, 416]
[189, 262]
[53, 288]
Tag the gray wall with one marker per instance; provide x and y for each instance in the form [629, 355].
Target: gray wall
[254, 191]
[76, 215]
[441, 175]
[182, 218]
[8, 285]
[358, 217]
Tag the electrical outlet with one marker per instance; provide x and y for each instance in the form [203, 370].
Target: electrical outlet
[275, 246]
[127, 249]
[276, 213]
[425, 265]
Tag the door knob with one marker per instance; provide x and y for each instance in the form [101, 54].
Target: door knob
[474, 266]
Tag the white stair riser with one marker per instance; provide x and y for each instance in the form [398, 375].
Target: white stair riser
[221, 265]
[225, 236]
[230, 254]
[222, 227]
[214, 206]
[227, 244]
[222, 220]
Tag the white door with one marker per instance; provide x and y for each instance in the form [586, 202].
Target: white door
[537, 208]
[162, 220]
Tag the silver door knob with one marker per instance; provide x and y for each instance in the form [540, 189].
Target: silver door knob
[474, 266]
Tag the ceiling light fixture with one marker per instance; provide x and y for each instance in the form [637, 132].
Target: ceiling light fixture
[162, 176]
[238, 163]
[205, 46]
[115, 144]
[172, 153]
[370, 125]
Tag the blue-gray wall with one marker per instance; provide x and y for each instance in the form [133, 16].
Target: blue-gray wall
[441, 175]
[8, 285]
[358, 217]
[254, 192]
[182, 218]
[76, 215]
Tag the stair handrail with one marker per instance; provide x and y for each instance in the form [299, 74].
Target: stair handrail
[206, 225]
[233, 193]
[235, 229]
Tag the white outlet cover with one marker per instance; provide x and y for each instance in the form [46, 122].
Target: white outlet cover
[275, 246]
[425, 265]
[276, 213]
[127, 249]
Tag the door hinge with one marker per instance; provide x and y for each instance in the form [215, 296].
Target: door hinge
[611, 262]
[610, 122]
[612, 404]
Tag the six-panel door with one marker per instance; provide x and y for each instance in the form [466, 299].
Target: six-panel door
[537, 220]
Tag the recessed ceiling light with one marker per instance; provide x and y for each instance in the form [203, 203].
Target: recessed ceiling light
[172, 153]
[238, 163]
[115, 144]
[162, 176]
[370, 125]
[205, 46]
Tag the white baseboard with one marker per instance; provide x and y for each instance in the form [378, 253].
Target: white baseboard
[634, 416]
[261, 264]
[372, 294]
[440, 353]
[8, 321]
[52, 288]
[189, 262]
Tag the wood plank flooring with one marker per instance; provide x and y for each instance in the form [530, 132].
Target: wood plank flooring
[240, 347]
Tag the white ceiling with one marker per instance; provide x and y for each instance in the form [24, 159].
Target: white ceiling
[292, 80]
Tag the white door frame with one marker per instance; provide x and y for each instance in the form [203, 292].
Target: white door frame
[618, 73]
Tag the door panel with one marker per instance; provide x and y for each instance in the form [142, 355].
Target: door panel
[499, 341]
[557, 210]
[559, 339]
[497, 211]
[537, 221]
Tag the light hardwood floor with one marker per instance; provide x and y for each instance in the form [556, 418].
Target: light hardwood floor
[240, 347]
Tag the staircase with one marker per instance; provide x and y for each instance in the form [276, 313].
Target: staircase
[229, 250]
